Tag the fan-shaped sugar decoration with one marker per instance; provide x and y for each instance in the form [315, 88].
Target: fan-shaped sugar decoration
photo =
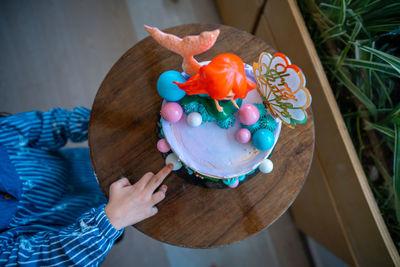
[282, 86]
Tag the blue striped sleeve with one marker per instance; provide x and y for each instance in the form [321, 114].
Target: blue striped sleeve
[84, 243]
[49, 130]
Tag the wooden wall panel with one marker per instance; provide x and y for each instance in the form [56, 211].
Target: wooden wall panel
[316, 206]
[264, 32]
[242, 14]
[337, 178]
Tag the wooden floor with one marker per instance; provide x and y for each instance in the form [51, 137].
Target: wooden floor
[56, 54]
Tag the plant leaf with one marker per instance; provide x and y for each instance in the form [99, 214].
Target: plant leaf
[382, 129]
[383, 87]
[396, 112]
[332, 36]
[359, 63]
[396, 169]
[383, 27]
[392, 60]
[356, 91]
[342, 13]
[354, 34]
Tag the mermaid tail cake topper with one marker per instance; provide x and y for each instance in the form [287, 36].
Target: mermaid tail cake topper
[223, 78]
[282, 86]
[187, 47]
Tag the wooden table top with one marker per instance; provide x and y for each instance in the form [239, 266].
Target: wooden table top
[122, 142]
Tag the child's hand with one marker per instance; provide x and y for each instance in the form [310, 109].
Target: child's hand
[130, 204]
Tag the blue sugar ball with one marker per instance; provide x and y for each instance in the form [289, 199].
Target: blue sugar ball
[167, 89]
[263, 139]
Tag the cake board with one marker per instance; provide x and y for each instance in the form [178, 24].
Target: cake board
[122, 142]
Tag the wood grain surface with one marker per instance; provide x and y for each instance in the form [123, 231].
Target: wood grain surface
[122, 142]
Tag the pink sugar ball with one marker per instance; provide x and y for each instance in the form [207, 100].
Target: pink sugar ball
[243, 136]
[249, 114]
[235, 184]
[171, 112]
[163, 146]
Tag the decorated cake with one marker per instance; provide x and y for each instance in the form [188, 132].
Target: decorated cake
[221, 119]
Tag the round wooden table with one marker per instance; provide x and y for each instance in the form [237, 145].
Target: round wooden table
[122, 142]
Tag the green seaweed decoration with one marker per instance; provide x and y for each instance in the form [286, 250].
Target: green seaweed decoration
[206, 107]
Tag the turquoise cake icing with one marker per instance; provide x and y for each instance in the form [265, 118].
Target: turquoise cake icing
[205, 106]
[229, 182]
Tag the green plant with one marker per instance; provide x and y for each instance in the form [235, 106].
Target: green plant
[359, 45]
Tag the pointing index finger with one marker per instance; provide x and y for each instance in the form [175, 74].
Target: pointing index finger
[157, 179]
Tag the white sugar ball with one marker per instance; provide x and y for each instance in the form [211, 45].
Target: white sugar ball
[266, 166]
[194, 119]
[173, 159]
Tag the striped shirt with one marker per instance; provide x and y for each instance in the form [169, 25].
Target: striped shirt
[54, 222]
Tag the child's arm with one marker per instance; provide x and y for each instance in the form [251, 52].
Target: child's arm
[84, 243]
[88, 240]
[49, 130]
